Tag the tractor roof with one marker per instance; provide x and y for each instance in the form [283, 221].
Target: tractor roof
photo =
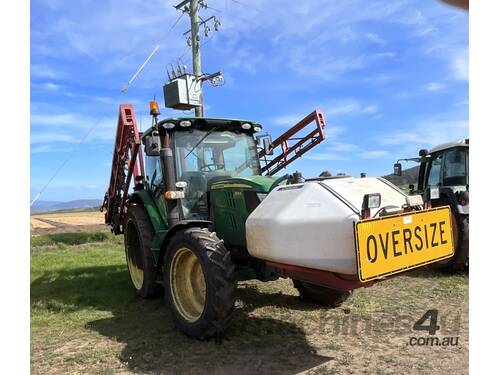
[447, 145]
[199, 122]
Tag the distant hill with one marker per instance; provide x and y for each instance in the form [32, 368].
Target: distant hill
[408, 176]
[80, 204]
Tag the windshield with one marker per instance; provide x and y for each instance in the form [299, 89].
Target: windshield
[455, 168]
[204, 157]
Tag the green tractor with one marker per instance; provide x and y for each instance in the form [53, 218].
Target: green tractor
[184, 222]
[444, 173]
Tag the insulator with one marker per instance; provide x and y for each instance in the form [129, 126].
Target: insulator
[207, 31]
[188, 41]
[217, 25]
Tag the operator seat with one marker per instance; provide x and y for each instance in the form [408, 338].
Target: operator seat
[196, 184]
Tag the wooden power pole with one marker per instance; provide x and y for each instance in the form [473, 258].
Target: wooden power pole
[195, 47]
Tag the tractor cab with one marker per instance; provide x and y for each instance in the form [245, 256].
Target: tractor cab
[446, 166]
[205, 151]
[443, 178]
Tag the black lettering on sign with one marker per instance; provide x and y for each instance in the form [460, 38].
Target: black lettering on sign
[441, 232]
[394, 243]
[426, 237]
[384, 245]
[371, 238]
[434, 228]
[419, 247]
[407, 240]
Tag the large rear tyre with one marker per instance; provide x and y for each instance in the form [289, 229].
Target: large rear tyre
[138, 235]
[199, 283]
[460, 260]
[320, 295]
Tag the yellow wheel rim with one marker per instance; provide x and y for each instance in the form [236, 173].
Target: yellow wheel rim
[187, 284]
[133, 253]
[136, 274]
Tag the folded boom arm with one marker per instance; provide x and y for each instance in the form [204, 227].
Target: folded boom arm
[126, 152]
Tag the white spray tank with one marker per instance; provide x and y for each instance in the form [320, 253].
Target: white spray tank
[311, 224]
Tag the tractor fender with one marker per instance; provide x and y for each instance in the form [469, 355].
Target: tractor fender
[447, 198]
[143, 197]
[181, 225]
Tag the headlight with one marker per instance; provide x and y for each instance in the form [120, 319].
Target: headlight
[246, 126]
[185, 123]
[434, 192]
[169, 125]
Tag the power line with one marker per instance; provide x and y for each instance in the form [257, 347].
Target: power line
[246, 5]
[70, 156]
[115, 100]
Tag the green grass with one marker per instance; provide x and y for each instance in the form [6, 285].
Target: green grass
[85, 318]
[78, 238]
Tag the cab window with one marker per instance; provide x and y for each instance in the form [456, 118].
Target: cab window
[153, 172]
[455, 167]
[434, 174]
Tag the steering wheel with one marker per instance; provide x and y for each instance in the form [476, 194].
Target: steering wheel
[212, 167]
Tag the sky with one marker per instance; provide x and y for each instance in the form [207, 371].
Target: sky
[390, 76]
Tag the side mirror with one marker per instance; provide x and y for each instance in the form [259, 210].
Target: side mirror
[267, 145]
[397, 169]
[152, 145]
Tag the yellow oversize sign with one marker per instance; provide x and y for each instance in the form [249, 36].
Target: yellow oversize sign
[392, 244]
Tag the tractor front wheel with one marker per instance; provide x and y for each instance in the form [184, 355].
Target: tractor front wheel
[138, 235]
[320, 295]
[199, 283]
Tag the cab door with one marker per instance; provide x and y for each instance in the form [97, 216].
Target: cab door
[155, 184]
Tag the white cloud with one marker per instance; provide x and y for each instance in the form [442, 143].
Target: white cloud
[400, 138]
[375, 38]
[349, 106]
[429, 132]
[373, 154]
[44, 148]
[50, 137]
[285, 120]
[44, 71]
[307, 64]
[384, 54]
[40, 149]
[335, 107]
[338, 146]
[459, 65]
[49, 86]
[434, 86]
[325, 156]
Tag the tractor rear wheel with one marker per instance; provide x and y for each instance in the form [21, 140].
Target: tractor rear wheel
[460, 260]
[320, 295]
[138, 235]
[199, 283]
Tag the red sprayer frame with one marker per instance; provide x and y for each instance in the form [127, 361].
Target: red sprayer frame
[302, 144]
[127, 148]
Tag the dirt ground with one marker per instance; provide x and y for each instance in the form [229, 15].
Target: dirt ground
[57, 222]
[86, 319]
